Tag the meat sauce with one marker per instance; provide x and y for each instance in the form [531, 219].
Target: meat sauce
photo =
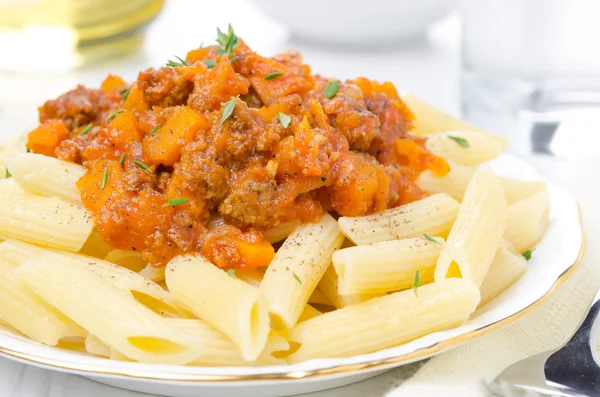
[229, 133]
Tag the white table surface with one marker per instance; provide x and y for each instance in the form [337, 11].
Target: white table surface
[429, 68]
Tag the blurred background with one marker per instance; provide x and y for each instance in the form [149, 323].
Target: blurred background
[522, 68]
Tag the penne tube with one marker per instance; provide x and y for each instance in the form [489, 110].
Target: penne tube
[9, 148]
[385, 321]
[456, 181]
[308, 313]
[109, 313]
[131, 260]
[298, 267]
[47, 176]
[9, 185]
[506, 268]
[527, 221]
[386, 266]
[230, 305]
[433, 215]
[430, 120]
[319, 298]
[220, 350]
[95, 346]
[155, 274]
[142, 289]
[252, 277]
[95, 246]
[329, 286]
[45, 221]
[29, 314]
[280, 231]
[477, 232]
[466, 147]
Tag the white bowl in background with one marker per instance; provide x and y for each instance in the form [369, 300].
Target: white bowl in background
[357, 22]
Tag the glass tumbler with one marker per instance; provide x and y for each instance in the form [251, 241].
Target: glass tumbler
[530, 65]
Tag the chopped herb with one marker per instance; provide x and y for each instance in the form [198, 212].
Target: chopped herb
[174, 202]
[114, 114]
[231, 273]
[273, 75]
[104, 179]
[125, 93]
[228, 110]
[463, 143]
[331, 89]
[174, 64]
[284, 119]
[27, 150]
[297, 278]
[428, 237]
[8, 174]
[210, 63]
[156, 127]
[85, 130]
[227, 41]
[233, 59]
[122, 159]
[416, 282]
[527, 254]
[141, 165]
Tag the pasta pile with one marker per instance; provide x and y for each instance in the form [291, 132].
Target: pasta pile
[335, 288]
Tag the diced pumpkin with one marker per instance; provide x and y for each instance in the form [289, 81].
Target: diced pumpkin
[135, 100]
[256, 254]
[127, 130]
[164, 146]
[90, 184]
[113, 84]
[416, 159]
[45, 138]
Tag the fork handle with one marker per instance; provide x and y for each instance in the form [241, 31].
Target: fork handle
[576, 364]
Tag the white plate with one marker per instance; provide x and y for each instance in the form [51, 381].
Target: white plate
[554, 259]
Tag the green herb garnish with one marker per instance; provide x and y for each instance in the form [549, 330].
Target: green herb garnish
[297, 278]
[416, 282]
[463, 143]
[156, 127]
[125, 93]
[8, 174]
[231, 273]
[122, 159]
[428, 237]
[233, 59]
[284, 119]
[227, 41]
[527, 254]
[174, 202]
[273, 75]
[174, 64]
[114, 114]
[210, 63]
[331, 89]
[104, 179]
[85, 130]
[141, 165]
[228, 110]
[27, 150]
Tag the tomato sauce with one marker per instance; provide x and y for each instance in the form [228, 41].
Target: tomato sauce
[227, 132]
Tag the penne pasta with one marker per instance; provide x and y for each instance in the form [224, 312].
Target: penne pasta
[43, 220]
[319, 298]
[95, 246]
[308, 313]
[9, 148]
[252, 277]
[456, 181]
[386, 266]
[385, 321]
[28, 313]
[47, 176]
[280, 231]
[329, 286]
[466, 147]
[10, 186]
[429, 120]
[220, 350]
[155, 274]
[527, 221]
[93, 302]
[230, 305]
[95, 346]
[433, 215]
[506, 268]
[131, 260]
[142, 289]
[476, 234]
[297, 268]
